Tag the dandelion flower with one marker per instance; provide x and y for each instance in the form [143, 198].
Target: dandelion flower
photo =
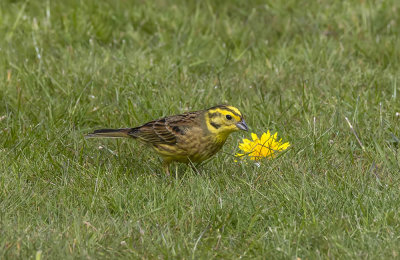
[265, 147]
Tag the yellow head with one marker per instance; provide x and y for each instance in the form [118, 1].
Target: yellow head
[223, 120]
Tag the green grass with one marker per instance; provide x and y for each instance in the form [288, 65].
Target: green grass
[296, 67]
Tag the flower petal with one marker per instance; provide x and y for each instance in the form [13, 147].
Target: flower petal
[254, 136]
[264, 138]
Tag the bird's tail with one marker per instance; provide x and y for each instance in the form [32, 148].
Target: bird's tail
[110, 133]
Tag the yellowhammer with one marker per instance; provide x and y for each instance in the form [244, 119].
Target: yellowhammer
[189, 137]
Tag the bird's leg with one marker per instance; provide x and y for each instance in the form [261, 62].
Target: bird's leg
[166, 168]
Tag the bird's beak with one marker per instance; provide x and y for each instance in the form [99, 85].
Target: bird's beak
[242, 125]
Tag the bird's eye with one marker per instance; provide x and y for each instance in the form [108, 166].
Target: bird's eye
[229, 117]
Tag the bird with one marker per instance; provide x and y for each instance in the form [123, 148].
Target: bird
[190, 137]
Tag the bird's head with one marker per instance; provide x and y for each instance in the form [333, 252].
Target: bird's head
[223, 120]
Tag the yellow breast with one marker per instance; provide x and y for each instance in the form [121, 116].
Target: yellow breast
[192, 148]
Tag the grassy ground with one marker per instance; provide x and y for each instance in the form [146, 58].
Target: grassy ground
[296, 67]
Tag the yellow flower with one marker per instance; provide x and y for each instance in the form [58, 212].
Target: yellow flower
[265, 147]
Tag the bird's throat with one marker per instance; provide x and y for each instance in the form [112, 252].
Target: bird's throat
[220, 138]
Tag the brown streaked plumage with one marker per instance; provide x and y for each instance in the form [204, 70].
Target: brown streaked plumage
[189, 137]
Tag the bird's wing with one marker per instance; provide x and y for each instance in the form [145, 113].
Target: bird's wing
[165, 130]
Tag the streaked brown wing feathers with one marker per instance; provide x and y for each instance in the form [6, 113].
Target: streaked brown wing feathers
[164, 130]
